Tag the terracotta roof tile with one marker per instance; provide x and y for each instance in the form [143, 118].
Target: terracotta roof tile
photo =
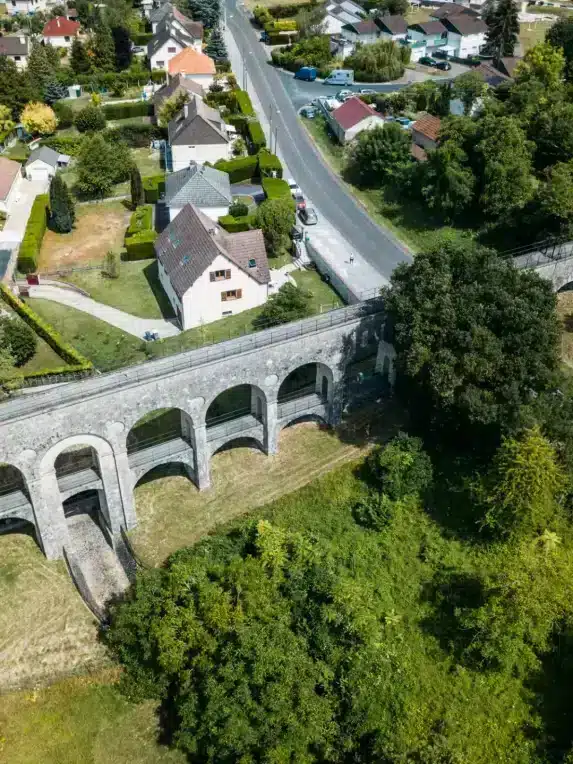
[352, 112]
[61, 27]
[428, 126]
[8, 172]
[190, 61]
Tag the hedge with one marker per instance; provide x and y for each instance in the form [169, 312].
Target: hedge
[244, 103]
[65, 144]
[33, 235]
[142, 38]
[275, 188]
[140, 245]
[46, 332]
[136, 136]
[153, 188]
[256, 136]
[284, 25]
[284, 11]
[141, 220]
[281, 38]
[236, 225]
[269, 164]
[128, 110]
[240, 121]
[242, 168]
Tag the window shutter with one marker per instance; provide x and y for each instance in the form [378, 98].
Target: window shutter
[239, 294]
[228, 274]
[223, 296]
[212, 276]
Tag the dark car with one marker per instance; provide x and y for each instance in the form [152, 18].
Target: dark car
[299, 201]
[445, 66]
[428, 61]
[308, 216]
[297, 233]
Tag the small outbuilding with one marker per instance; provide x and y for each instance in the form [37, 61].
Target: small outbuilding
[43, 163]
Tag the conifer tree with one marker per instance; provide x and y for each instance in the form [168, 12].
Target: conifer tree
[79, 59]
[62, 211]
[40, 69]
[137, 193]
[103, 48]
[54, 91]
[503, 29]
[216, 47]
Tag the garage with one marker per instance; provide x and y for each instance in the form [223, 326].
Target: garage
[42, 164]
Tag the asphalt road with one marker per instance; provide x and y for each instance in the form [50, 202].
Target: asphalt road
[377, 245]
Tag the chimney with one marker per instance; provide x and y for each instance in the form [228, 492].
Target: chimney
[213, 231]
[58, 22]
[22, 40]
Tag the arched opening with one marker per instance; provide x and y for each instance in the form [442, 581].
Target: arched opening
[86, 516]
[158, 438]
[13, 525]
[305, 390]
[239, 443]
[236, 412]
[16, 513]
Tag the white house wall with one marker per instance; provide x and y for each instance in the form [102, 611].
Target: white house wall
[183, 155]
[39, 170]
[366, 124]
[212, 212]
[163, 56]
[202, 79]
[468, 45]
[202, 303]
[14, 7]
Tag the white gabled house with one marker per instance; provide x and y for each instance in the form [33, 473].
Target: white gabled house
[198, 134]
[16, 48]
[60, 32]
[165, 45]
[352, 118]
[207, 273]
[466, 35]
[25, 7]
[9, 174]
[43, 163]
[202, 186]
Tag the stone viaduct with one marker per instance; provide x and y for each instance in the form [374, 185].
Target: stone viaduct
[71, 439]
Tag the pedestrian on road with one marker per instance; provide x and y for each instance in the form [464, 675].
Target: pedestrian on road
[351, 259]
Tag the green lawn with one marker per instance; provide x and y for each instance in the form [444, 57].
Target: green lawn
[19, 152]
[532, 33]
[84, 719]
[136, 291]
[109, 348]
[44, 358]
[146, 160]
[409, 220]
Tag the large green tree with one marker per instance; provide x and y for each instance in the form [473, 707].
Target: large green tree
[276, 217]
[216, 47]
[102, 47]
[136, 188]
[208, 12]
[468, 88]
[503, 28]
[79, 59]
[560, 35]
[475, 338]
[379, 155]
[62, 210]
[122, 45]
[101, 164]
[447, 181]
[40, 68]
[544, 63]
[288, 304]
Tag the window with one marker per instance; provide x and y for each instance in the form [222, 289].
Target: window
[67, 39]
[160, 64]
[17, 58]
[220, 275]
[252, 263]
[172, 50]
[232, 294]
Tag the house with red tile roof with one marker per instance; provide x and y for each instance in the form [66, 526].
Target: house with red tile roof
[60, 32]
[10, 171]
[352, 118]
[194, 65]
[425, 131]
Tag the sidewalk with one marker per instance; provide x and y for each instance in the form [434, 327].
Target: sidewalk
[124, 321]
[330, 250]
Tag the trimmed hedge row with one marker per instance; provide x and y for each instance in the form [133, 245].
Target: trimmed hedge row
[282, 25]
[140, 245]
[141, 220]
[256, 137]
[153, 188]
[128, 110]
[284, 11]
[236, 225]
[253, 166]
[142, 38]
[280, 38]
[269, 164]
[107, 79]
[33, 235]
[275, 188]
[244, 103]
[136, 136]
[48, 333]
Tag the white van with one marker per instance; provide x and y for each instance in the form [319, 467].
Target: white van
[340, 77]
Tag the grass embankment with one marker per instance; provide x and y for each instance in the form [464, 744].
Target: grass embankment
[109, 348]
[408, 219]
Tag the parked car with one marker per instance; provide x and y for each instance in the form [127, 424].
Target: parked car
[340, 77]
[297, 233]
[294, 187]
[308, 111]
[428, 61]
[307, 73]
[299, 199]
[368, 91]
[342, 95]
[308, 216]
[445, 66]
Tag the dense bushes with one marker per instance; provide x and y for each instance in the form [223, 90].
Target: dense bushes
[90, 119]
[314, 51]
[135, 136]
[275, 188]
[153, 187]
[256, 137]
[142, 38]
[140, 236]
[47, 332]
[18, 338]
[33, 235]
[64, 144]
[128, 110]
[244, 103]
[242, 168]
[383, 61]
[235, 225]
[269, 164]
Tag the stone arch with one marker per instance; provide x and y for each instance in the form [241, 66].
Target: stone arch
[186, 467]
[321, 381]
[234, 441]
[16, 508]
[255, 402]
[300, 419]
[100, 445]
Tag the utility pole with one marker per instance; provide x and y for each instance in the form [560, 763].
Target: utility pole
[277, 112]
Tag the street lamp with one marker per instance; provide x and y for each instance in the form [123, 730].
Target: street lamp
[277, 112]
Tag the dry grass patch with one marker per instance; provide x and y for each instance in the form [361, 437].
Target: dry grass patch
[45, 628]
[98, 228]
[172, 513]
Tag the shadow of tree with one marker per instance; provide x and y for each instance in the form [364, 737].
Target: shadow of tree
[151, 273]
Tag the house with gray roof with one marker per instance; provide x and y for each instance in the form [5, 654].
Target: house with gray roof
[43, 163]
[16, 48]
[177, 84]
[198, 134]
[202, 186]
[170, 14]
[208, 273]
[165, 44]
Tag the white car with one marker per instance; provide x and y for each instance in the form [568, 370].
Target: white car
[342, 95]
[294, 189]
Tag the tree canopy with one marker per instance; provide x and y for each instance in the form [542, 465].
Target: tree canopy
[378, 155]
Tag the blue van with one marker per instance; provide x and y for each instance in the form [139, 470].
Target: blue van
[307, 73]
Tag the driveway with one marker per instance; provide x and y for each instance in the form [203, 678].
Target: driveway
[23, 198]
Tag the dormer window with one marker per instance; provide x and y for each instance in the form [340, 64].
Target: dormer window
[252, 263]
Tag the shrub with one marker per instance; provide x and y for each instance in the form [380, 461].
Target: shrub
[19, 338]
[64, 113]
[401, 468]
[140, 245]
[141, 220]
[244, 103]
[238, 224]
[128, 110]
[284, 25]
[314, 51]
[275, 188]
[153, 187]
[90, 119]
[65, 144]
[142, 38]
[243, 168]
[262, 15]
[284, 11]
[379, 62]
[33, 235]
[238, 210]
[256, 137]
[269, 165]
[239, 121]
[111, 265]
[44, 330]
[375, 511]
[135, 136]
